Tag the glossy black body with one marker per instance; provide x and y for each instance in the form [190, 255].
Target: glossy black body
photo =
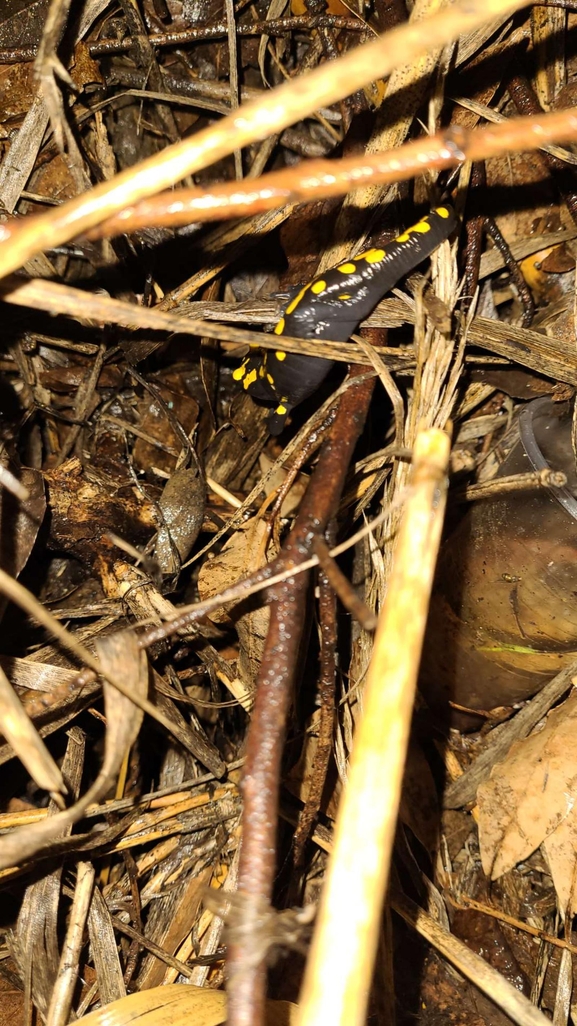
[331, 307]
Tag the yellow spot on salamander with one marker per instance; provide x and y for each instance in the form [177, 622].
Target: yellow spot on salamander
[280, 327]
[349, 268]
[261, 371]
[421, 228]
[280, 355]
[250, 378]
[281, 410]
[345, 295]
[240, 372]
[374, 256]
[270, 379]
[318, 286]
[442, 212]
[295, 302]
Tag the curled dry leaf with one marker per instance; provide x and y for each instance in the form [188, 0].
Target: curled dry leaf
[20, 520]
[179, 1004]
[121, 659]
[530, 796]
[20, 732]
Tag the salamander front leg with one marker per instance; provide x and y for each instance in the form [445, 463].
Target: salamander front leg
[278, 417]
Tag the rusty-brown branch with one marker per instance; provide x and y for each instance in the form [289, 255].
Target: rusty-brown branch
[316, 179]
[266, 735]
[252, 122]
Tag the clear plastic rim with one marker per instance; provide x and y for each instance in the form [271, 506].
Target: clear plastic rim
[536, 457]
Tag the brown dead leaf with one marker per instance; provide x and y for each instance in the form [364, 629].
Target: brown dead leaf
[293, 499]
[17, 86]
[21, 22]
[530, 794]
[154, 421]
[20, 521]
[244, 552]
[83, 513]
[560, 850]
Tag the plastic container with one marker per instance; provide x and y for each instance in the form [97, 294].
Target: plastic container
[503, 616]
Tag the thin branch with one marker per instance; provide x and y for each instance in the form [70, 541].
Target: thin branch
[319, 179]
[254, 121]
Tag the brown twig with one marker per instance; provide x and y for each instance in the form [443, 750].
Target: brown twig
[343, 587]
[318, 179]
[472, 966]
[473, 234]
[547, 478]
[517, 279]
[264, 749]
[199, 34]
[326, 700]
[276, 110]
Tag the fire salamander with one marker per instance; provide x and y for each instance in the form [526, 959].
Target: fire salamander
[331, 307]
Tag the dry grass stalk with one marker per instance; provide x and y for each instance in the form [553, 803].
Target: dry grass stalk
[253, 121]
[341, 960]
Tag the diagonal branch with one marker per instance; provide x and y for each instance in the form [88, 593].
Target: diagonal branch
[267, 729]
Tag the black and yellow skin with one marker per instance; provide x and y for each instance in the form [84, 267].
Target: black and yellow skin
[331, 307]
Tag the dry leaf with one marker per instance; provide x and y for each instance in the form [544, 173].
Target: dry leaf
[530, 793]
[560, 850]
[22, 735]
[179, 1004]
[244, 552]
[123, 660]
[299, 486]
[21, 520]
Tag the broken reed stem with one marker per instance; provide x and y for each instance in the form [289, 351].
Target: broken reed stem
[252, 122]
[55, 298]
[532, 480]
[320, 179]
[261, 776]
[340, 965]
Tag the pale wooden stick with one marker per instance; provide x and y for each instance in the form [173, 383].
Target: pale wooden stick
[61, 1001]
[340, 965]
